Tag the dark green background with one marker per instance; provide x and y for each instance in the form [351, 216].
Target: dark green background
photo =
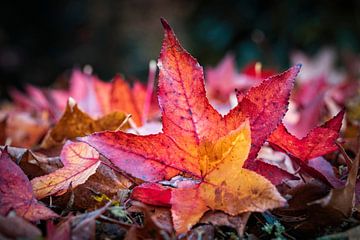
[39, 40]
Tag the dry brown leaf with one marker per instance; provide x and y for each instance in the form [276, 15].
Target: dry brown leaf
[105, 182]
[155, 226]
[14, 227]
[219, 218]
[343, 199]
[34, 164]
[76, 123]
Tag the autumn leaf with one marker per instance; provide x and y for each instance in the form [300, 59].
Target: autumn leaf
[94, 97]
[92, 93]
[224, 78]
[34, 99]
[24, 130]
[83, 90]
[81, 226]
[188, 118]
[321, 90]
[271, 172]
[105, 183]
[16, 192]
[33, 163]
[125, 99]
[343, 199]
[219, 218]
[153, 194]
[80, 162]
[318, 142]
[265, 105]
[76, 123]
[192, 129]
[98, 98]
[14, 227]
[225, 185]
[153, 224]
[309, 100]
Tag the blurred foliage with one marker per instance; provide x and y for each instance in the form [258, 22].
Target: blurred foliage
[41, 39]
[270, 30]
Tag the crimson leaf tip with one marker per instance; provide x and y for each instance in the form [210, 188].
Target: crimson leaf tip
[165, 24]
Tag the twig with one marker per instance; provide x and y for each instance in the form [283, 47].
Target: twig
[124, 122]
[343, 152]
[110, 220]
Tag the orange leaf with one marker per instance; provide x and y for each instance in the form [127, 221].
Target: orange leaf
[127, 100]
[225, 186]
[80, 162]
[16, 192]
[76, 123]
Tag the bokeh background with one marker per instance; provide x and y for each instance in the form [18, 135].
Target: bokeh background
[40, 41]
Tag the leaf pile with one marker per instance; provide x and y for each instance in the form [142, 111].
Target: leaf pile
[236, 151]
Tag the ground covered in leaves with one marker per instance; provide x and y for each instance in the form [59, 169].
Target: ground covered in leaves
[254, 154]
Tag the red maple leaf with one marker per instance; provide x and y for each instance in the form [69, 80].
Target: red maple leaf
[194, 131]
[306, 151]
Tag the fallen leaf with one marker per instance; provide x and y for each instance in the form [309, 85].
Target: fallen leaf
[80, 162]
[219, 218]
[125, 99]
[94, 97]
[319, 141]
[16, 192]
[76, 227]
[195, 136]
[32, 99]
[343, 199]
[271, 172]
[76, 123]
[33, 163]
[194, 121]
[25, 130]
[153, 226]
[202, 232]
[309, 100]
[222, 188]
[83, 90]
[303, 219]
[105, 182]
[265, 105]
[223, 79]
[153, 194]
[62, 231]
[14, 227]
[324, 167]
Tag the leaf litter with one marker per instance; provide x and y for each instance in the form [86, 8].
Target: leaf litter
[73, 158]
